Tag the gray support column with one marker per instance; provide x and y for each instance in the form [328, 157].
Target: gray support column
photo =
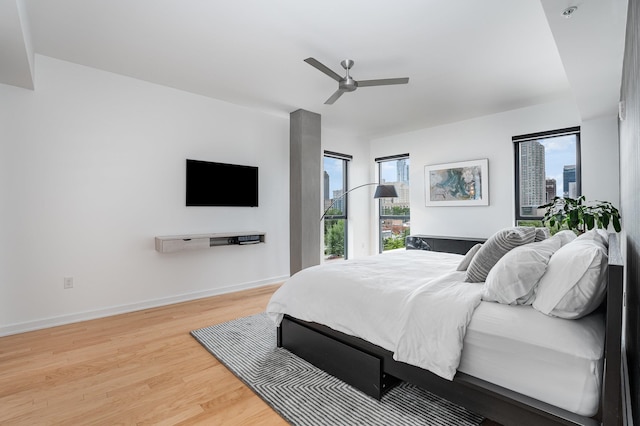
[305, 171]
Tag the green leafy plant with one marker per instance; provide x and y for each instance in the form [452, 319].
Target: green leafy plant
[579, 215]
[334, 238]
[393, 242]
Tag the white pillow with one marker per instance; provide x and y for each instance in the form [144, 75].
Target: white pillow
[598, 235]
[466, 260]
[494, 248]
[565, 236]
[575, 282]
[513, 279]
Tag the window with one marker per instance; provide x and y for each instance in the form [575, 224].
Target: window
[394, 222]
[547, 165]
[335, 219]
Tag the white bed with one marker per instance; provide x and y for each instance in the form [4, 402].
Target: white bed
[435, 312]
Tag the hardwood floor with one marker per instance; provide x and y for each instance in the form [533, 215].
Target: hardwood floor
[136, 368]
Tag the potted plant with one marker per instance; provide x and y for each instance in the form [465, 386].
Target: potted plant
[579, 215]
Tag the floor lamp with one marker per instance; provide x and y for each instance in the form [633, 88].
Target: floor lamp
[382, 191]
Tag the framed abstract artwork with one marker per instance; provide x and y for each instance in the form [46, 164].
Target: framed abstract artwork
[465, 183]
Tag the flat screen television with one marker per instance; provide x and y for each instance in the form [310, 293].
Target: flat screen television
[220, 184]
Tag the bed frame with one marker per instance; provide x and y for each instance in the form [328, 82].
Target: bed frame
[373, 370]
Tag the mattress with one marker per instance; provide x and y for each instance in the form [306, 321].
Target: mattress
[554, 360]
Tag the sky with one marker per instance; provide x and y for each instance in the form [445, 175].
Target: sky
[334, 168]
[388, 171]
[559, 152]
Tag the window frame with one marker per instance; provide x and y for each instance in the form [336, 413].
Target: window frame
[345, 210]
[381, 217]
[537, 136]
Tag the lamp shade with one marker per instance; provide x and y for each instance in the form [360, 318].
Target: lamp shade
[385, 191]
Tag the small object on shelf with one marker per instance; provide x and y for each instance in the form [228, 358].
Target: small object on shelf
[248, 239]
[173, 243]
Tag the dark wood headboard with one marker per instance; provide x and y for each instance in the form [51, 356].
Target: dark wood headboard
[612, 386]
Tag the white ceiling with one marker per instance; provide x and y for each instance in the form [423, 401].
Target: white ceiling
[464, 58]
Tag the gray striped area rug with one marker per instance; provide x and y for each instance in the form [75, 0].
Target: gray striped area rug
[305, 395]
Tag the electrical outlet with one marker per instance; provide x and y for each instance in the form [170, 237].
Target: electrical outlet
[68, 282]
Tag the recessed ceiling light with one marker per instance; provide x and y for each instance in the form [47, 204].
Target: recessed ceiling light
[568, 12]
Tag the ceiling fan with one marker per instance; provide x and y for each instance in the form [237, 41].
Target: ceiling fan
[348, 84]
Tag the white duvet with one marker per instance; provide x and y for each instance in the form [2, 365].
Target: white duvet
[410, 302]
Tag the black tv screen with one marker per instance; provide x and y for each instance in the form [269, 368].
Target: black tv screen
[220, 184]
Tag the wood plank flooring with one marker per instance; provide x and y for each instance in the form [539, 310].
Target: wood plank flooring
[132, 369]
[137, 368]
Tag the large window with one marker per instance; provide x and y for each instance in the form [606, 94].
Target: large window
[335, 220]
[547, 165]
[394, 218]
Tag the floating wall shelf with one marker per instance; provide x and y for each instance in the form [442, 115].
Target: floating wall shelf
[173, 243]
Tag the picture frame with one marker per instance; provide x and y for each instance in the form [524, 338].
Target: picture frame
[465, 183]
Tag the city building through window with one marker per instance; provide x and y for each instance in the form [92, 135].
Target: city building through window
[394, 213]
[547, 165]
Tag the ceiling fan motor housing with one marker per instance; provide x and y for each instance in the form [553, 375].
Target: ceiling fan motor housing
[348, 84]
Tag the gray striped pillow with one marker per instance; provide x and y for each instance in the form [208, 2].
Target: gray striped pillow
[496, 247]
[542, 233]
[466, 260]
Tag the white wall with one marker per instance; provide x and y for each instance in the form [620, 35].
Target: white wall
[92, 167]
[490, 137]
[601, 159]
[360, 200]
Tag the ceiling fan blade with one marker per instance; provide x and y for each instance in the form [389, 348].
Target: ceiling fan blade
[318, 65]
[383, 82]
[334, 97]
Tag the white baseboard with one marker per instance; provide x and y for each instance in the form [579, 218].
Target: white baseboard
[123, 309]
